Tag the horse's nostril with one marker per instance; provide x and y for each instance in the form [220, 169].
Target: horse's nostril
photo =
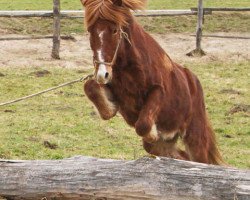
[106, 75]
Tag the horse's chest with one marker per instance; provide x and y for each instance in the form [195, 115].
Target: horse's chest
[128, 91]
[129, 99]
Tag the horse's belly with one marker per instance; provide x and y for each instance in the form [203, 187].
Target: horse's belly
[173, 119]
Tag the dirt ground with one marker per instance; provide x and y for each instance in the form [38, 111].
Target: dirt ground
[22, 53]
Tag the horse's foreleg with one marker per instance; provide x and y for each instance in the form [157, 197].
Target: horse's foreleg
[102, 98]
[145, 125]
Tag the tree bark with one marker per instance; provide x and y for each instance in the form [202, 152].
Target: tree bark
[146, 178]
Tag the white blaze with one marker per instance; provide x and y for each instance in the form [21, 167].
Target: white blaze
[102, 68]
[101, 37]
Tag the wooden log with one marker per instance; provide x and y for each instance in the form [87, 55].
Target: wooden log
[146, 178]
[80, 13]
[56, 30]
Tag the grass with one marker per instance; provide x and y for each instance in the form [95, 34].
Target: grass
[66, 119]
[63, 117]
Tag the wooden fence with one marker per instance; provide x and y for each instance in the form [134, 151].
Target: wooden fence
[57, 14]
[80, 13]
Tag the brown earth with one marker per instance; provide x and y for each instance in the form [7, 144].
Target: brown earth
[23, 53]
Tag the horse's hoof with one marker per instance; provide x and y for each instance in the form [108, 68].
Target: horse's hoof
[153, 156]
[151, 138]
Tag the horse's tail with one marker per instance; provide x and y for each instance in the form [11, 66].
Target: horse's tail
[214, 156]
[200, 139]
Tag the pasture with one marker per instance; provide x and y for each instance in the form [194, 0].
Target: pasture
[63, 123]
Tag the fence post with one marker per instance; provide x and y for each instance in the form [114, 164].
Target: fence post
[198, 51]
[56, 29]
[199, 25]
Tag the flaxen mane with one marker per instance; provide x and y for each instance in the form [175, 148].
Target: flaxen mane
[112, 10]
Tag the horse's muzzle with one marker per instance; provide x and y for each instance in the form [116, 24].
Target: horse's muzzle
[104, 74]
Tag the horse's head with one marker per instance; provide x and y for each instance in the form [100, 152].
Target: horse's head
[105, 40]
[105, 20]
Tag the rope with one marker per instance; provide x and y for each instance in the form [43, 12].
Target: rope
[48, 90]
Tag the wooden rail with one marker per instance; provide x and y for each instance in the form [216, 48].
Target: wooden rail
[80, 13]
[226, 36]
[222, 9]
[63, 37]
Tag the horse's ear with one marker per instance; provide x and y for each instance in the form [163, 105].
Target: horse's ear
[117, 2]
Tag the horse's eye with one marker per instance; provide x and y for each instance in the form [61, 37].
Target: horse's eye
[114, 31]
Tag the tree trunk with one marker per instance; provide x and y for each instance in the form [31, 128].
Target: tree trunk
[146, 178]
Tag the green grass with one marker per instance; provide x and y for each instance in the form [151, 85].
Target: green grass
[152, 4]
[66, 118]
[63, 117]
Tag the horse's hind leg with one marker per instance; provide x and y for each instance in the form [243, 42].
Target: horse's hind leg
[102, 98]
[196, 142]
[201, 144]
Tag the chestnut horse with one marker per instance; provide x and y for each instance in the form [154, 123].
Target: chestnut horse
[134, 76]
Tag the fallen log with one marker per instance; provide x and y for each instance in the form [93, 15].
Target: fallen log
[146, 178]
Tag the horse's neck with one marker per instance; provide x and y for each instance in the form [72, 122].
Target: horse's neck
[143, 48]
